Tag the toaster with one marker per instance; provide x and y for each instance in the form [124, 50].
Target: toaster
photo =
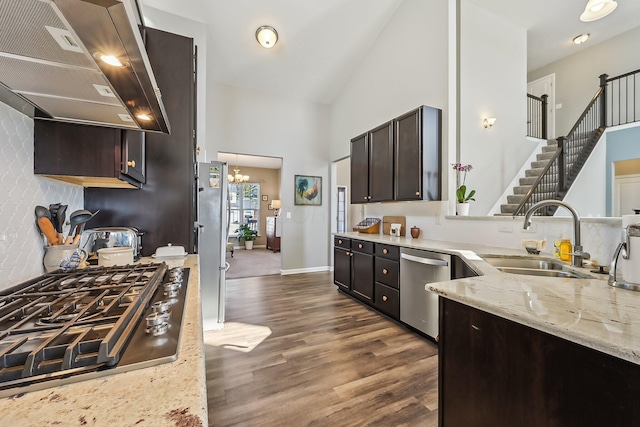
[111, 237]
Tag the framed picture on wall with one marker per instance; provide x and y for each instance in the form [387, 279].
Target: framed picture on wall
[308, 190]
[265, 198]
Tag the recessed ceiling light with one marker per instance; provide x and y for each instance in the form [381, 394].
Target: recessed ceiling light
[267, 36]
[109, 59]
[143, 117]
[581, 38]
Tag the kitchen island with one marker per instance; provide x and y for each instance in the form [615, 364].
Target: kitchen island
[170, 394]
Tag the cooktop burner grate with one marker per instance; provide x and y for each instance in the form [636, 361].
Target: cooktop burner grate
[65, 322]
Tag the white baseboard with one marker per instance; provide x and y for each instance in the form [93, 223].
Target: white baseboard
[305, 270]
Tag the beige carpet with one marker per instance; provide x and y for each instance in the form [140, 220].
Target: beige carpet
[256, 262]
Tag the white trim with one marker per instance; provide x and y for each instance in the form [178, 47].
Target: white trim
[305, 270]
[212, 325]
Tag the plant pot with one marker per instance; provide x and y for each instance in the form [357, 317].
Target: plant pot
[248, 244]
[462, 209]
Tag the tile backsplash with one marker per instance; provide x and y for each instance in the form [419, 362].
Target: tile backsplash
[21, 243]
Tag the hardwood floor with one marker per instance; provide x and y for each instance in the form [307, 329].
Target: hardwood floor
[296, 352]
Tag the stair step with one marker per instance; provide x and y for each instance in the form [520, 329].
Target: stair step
[530, 180]
[521, 189]
[549, 149]
[508, 209]
[545, 156]
[534, 172]
[515, 199]
[539, 164]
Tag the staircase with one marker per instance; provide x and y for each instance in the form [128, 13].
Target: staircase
[531, 175]
[556, 168]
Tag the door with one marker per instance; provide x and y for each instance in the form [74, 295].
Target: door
[626, 196]
[408, 156]
[381, 163]
[342, 268]
[362, 278]
[133, 154]
[546, 86]
[360, 169]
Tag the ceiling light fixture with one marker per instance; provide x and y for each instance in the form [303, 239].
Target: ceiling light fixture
[597, 9]
[267, 36]
[109, 59]
[237, 177]
[581, 38]
[143, 116]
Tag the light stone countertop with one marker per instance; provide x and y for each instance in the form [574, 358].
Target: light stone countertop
[171, 394]
[585, 311]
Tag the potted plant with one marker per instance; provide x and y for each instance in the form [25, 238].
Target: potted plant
[249, 235]
[462, 207]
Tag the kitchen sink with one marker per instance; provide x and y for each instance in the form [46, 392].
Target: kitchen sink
[533, 266]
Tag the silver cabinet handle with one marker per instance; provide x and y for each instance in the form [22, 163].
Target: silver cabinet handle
[428, 261]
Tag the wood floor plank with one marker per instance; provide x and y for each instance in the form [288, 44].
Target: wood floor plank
[295, 352]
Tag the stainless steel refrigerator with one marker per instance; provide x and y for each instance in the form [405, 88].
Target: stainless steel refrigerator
[213, 229]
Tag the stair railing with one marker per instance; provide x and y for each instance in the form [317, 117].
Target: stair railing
[573, 151]
[537, 116]
[622, 100]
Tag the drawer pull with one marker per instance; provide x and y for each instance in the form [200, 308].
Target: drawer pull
[350, 253]
[475, 327]
[384, 298]
[339, 242]
[417, 193]
[365, 197]
[385, 271]
[385, 251]
[359, 245]
[131, 163]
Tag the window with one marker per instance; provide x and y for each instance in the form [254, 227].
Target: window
[342, 209]
[244, 207]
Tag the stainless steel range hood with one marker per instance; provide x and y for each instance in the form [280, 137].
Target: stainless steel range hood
[50, 64]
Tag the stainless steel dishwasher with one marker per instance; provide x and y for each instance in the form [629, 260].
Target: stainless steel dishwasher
[418, 307]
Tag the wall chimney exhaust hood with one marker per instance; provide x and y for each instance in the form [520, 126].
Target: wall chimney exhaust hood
[57, 62]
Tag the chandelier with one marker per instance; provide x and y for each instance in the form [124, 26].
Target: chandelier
[238, 177]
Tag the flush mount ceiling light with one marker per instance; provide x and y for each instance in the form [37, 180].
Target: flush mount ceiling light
[597, 9]
[581, 38]
[267, 36]
[109, 59]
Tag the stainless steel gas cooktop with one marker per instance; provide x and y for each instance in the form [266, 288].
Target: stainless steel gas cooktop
[66, 327]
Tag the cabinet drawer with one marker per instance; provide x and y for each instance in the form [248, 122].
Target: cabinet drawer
[387, 300]
[388, 251]
[341, 242]
[387, 272]
[362, 246]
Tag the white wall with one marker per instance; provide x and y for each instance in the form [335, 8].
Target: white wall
[249, 122]
[407, 67]
[577, 75]
[21, 244]
[493, 59]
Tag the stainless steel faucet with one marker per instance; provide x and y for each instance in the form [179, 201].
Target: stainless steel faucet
[577, 255]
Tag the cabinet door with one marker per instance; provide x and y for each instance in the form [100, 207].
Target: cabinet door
[418, 154]
[360, 169]
[408, 157]
[133, 154]
[362, 278]
[381, 163]
[342, 268]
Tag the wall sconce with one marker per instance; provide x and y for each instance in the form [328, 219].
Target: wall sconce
[276, 205]
[597, 9]
[267, 36]
[488, 122]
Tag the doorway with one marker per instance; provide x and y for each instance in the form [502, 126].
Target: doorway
[546, 86]
[626, 187]
[254, 184]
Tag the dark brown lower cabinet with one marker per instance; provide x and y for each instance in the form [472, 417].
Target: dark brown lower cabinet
[342, 268]
[362, 270]
[495, 372]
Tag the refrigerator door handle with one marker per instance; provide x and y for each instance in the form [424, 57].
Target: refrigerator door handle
[226, 267]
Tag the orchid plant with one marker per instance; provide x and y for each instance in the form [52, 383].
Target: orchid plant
[461, 192]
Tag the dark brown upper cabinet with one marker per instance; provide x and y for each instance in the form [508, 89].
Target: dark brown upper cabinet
[399, 160]
[88, 155]
[418, 154]
[372, 165]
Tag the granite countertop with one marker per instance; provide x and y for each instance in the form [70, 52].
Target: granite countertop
[171, 394]
[585, 311]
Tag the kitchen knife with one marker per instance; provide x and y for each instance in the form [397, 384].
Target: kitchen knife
[47, 229]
